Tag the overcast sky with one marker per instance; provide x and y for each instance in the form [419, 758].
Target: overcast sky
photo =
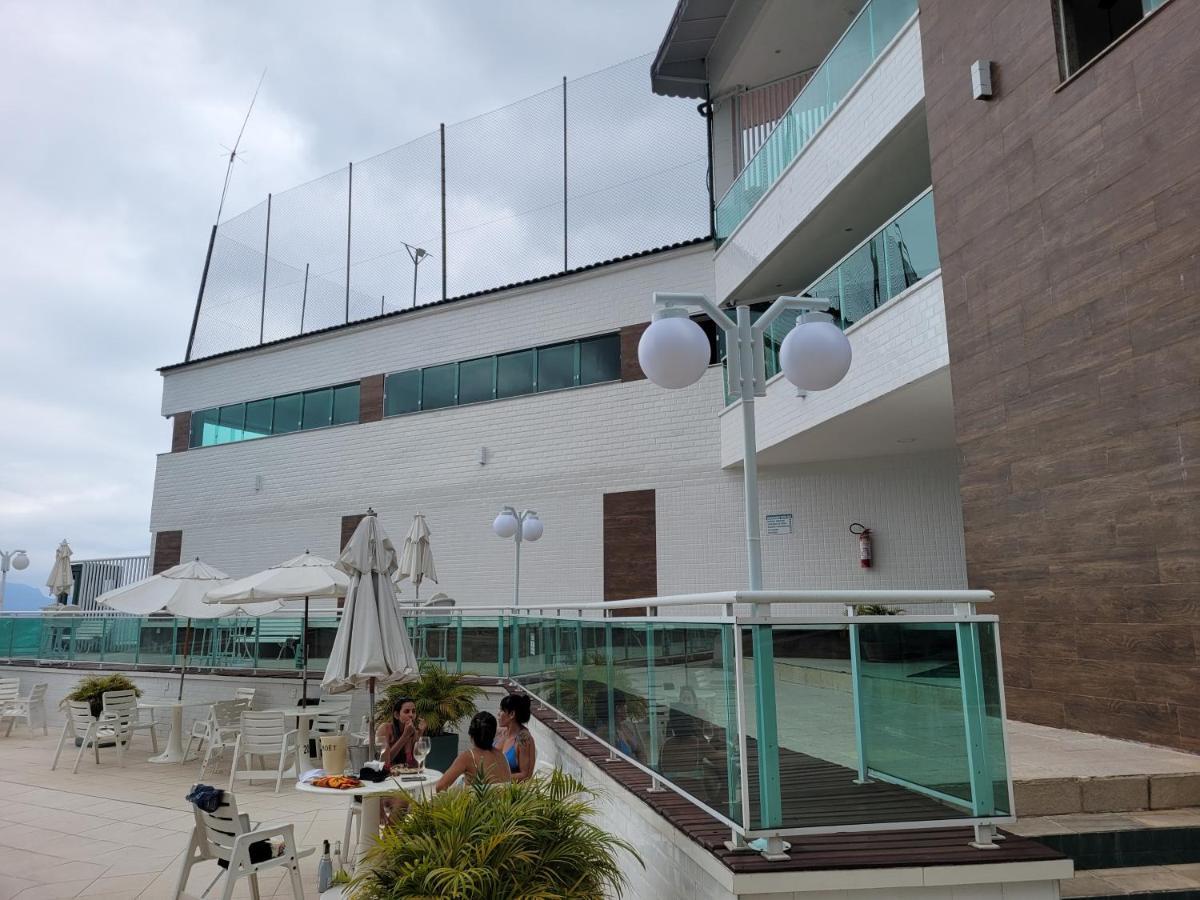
[110, 172]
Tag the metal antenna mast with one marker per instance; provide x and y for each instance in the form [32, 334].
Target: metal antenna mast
[233, 154]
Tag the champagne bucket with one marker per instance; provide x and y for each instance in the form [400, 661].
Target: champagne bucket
[334, 755]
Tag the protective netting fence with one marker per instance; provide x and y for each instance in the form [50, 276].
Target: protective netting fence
[591, 170]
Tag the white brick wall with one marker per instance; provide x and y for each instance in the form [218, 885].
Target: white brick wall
[899, 343]
[878, 104]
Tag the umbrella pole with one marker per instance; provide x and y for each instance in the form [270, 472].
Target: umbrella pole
[304, 651]
[187, 641]
[371, 719]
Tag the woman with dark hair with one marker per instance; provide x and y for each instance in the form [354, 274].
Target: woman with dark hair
[398, 735]
[515, 741]
[481, 759]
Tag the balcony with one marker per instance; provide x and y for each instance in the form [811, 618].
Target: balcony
[850, 149]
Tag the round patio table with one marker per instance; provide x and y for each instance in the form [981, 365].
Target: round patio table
[371, 794]
[174, 752]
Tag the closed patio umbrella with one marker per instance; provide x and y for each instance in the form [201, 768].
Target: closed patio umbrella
[180, 591]
[61, 581]
[371, 646]
[416, 559]
[306, 576]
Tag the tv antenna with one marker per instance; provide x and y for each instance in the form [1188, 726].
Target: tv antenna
[233, 153]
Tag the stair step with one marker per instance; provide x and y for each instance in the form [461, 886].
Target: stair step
[1181, 882]
[1128, 848]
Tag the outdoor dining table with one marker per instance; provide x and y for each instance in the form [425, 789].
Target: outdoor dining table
[174, 751]
[303, 716]
[371, 794]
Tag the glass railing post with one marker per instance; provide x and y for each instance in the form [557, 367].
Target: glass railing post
[514, 644]
[500, 646]
[257, 623]
[729, 689]
[579, 669]
[860, 734]
[983, 792]
[651, 708]
[103, 636]
[609, 676]
[770, 802]
[458, 636]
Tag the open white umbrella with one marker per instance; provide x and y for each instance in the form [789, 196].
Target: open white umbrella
[371, 645]
[306, 576]
[416, 559]
[180, 591]
[61, 581]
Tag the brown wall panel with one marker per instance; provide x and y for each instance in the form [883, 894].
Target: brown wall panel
[168, 550]
[181, 431]
[370, 399]
[630, 547]
[1071, 266]
[630, 335]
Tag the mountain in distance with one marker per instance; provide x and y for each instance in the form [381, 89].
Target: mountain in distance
[22, 597]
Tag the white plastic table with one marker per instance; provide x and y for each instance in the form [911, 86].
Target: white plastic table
[371, 794]
[174, 752]
[303, 716]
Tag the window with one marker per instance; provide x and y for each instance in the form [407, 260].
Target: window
[231, 421]
[288, 410]
[402, 393]
[516, 373]
[556, 367]
[477, 380]
[318, 408]
[439, 386]
[345, 404]
[258, 417]
[204, 427]
[600, 359]
[1086, 28]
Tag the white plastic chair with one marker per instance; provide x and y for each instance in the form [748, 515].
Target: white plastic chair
[245, 693]
[226, 835]
[112, 727]
[127, 700]
[24, 708]
[10, 689]
[216, 731]
[263, 734]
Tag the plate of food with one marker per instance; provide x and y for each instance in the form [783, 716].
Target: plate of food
[405, 770]
[337, 782]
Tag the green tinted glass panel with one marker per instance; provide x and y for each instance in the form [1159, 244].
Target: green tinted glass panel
[476, 380]
[345, 404]
[439, 386]
[230, 423]
[995, 759]
[402, 393]
[600, 359]
[258, 417]
[204, 428]
[288, 410]
[515, 373]
[556, 367]
[318, 408]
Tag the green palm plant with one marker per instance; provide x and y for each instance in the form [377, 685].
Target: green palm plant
[443, 699]
[91, 688]
[534, 840]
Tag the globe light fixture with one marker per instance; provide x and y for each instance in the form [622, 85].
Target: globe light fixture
[816, 354]
[520, 526]
[16, 559]
[673, 351]
[20, 561]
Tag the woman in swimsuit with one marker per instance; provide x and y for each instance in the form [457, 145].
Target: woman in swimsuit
[481, 760]
[515, 741]
[398, 736]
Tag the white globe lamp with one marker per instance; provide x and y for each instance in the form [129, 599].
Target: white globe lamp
[531, 528]
[674, 351]
[20, 561]
[505, 525]
[815, 355]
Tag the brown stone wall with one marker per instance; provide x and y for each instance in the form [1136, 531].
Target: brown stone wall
[181, 431]
[630, 335]
[1069, 229]
[168, 549]
[630, 547]
[370, 399]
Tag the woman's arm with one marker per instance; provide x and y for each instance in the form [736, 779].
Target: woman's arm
[457, 768]
[526, 756]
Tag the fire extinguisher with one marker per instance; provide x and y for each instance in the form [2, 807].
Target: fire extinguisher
[864, 544]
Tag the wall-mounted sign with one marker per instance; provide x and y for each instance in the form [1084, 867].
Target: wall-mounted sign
[779, 523]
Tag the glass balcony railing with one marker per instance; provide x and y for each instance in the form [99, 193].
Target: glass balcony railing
[860, 722]
[889, 262]
[861, 44]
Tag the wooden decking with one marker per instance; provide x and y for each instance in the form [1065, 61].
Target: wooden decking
[816, 793]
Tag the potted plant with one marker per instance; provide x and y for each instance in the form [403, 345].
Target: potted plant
[880, 643]
[91, 689]
[443, 700]
[532, 839]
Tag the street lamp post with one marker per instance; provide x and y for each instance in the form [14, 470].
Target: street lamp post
[18, 560]
[417, 255]
[815, 355]
[520, 526]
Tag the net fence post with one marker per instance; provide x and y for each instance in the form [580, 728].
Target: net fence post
[349, 219]
[442, 136]
[262, 312]
[304, 298]
[212, 237]
[564, 101]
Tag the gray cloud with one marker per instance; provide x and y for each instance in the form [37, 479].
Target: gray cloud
[111, 171]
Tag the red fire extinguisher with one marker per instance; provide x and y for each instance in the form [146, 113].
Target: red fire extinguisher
[864, 544]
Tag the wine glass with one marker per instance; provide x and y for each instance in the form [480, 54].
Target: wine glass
[420, 751]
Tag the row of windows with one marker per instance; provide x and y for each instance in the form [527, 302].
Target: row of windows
[550, 368]
[275, 415]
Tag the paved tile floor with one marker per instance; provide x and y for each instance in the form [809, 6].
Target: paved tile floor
[1041, 752]
[112, 832]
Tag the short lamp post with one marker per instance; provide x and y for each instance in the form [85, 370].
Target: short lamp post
[18, 560]
[815, 356]
[520, 526]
